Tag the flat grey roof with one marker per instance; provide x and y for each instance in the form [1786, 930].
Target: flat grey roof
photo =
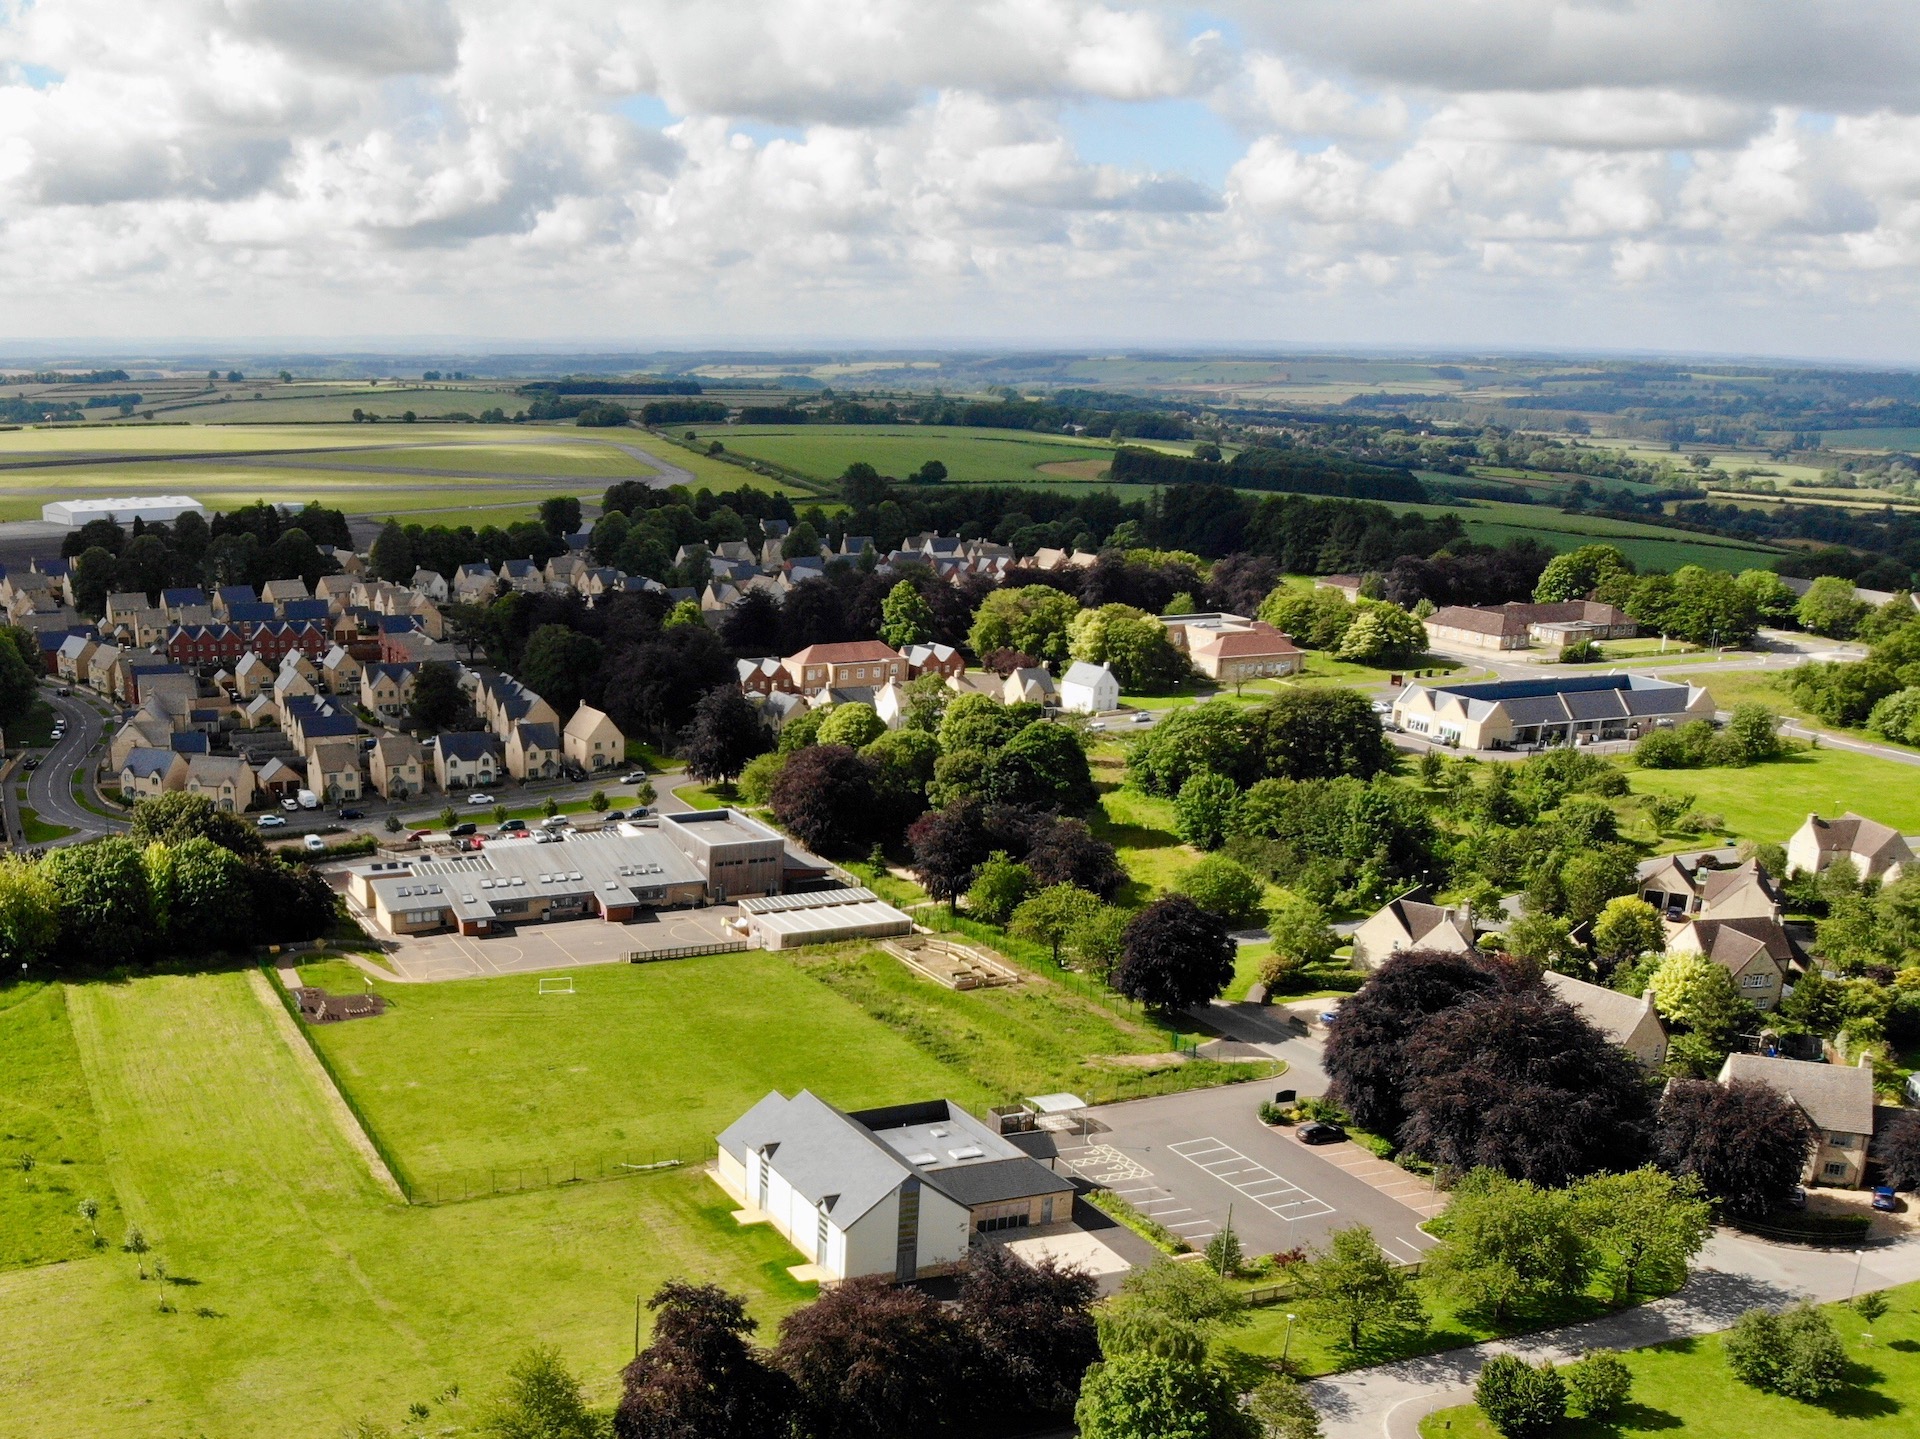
[720, 826]
[618, 869]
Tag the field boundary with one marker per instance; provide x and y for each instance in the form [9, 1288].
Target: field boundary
[280, 1007]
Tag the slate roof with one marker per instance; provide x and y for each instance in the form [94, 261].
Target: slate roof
[1082, 673]
[145, 763]
[1838, 1098]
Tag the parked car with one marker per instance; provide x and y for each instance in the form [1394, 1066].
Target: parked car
[1884, 1198]
[314, 843]
[33, 762]
[65, 691]
[473, 842]
[640, 812]
[611, 815]
[271, 821]
[546, 836]
[479, 799]
[555, 821]
[639, 776]
[353, 814]
[1321, 1131]
[1796, 1198]
[461, 831]
[291, 806]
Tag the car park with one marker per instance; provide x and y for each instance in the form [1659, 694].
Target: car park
[1321, 1131]
[270, 821]
[479, 799]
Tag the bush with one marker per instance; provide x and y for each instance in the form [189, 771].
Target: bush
[1581, 652]
[1599, 1382]
[1518, 1399]
[1226, 888]
[1796, 1353]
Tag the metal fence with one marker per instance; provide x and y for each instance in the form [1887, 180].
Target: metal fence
[688, 951]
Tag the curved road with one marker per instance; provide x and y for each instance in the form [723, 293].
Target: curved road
[50, 787]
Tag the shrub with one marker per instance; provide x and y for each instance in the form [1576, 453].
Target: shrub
[1796, 1353]
[1580, 652]
[1225, 887]
[1599, 1382]
[1518, 1399]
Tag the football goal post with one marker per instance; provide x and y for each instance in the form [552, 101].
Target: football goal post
[562, 985]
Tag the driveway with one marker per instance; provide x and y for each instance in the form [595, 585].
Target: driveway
[1188, 1160]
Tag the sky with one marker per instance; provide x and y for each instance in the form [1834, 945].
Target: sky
[1690, 176]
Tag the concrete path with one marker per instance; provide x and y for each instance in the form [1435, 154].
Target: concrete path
[1735, 1273]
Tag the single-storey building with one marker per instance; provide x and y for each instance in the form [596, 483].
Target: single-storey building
[615, 875]
[1837, 1098]
[1232, 648]
[898, 1191]
[787, 921]
[1517, 626]
[1570, 709]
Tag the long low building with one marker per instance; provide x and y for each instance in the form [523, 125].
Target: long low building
[154, 509]
[1518, 626]
[1572, 709]
[787, 921]
[613, 875]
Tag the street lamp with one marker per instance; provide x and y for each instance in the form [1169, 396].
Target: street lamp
[1285, 1345]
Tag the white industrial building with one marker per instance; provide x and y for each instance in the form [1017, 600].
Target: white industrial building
[154, 509]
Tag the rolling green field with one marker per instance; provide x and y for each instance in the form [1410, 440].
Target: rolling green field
[1686, 1388]
[1648, 546]
[971, 456]
[647, 1060]
[311, 404]
[1770, 801]
[304, 1298]
[1870, 439]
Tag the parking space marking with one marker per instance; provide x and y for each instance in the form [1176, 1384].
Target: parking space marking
[1270, 1191]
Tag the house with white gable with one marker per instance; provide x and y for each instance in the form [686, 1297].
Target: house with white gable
[1089, 689]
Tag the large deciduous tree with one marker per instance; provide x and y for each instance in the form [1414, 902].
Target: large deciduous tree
[1746, 1143]
[437, 700]
[1151, 1396]
[824, 797]
[1506, 1243]
[949, 846]
[1176, 956]
[105, 917]
[1365, 1055]
[1351, 1290]
[875, 1362]
[561, 665]
[1323, 733]
[1521, 1083]
[701, 1377]
[1033, 1337]
[725, 734]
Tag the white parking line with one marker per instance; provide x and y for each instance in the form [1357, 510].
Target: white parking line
[1269, 1190]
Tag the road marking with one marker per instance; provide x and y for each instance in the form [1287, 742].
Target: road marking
[1270, 1191]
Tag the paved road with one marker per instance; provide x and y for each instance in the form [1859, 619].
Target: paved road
[670, 474]
[1735, 1273]
[50, 787]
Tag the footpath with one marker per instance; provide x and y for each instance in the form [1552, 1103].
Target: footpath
[1734, 1273]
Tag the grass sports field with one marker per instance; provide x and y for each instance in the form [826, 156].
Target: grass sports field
[1686, 1388]
[305, 1299]
[651, 1060]
[1494, 522]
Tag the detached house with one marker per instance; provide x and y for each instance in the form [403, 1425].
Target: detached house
[1633, 1024]
[1876, 850]
[533, 751]
[224, 779]
[333, 769]
[1837, 1098]
[1408, 924]
[397, 766]
[843, 666]
[1089, 689]
[592, 741]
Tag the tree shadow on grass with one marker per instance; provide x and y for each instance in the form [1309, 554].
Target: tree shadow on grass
[1859, 1398]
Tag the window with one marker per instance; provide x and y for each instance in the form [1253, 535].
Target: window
[1755, 981]
[907, 1232]
[1840, 1141]
[1835, 1171]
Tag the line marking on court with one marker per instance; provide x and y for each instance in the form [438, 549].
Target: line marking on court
[1256, 1181]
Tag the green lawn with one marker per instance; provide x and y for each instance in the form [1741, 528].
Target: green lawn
[1686, 1388]
[642, 1062]
[36, 730]
[1037, 1037]
[971, 456]
[307, 1299]
[37, 831]
[46, 1117]
[1140, 828]
[1770, 801]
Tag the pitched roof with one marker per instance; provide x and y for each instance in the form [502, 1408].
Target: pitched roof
[1082, 673]
[1418, 921]
[851, 652]
[1836, 1097]
[539, 735]
[144, 763]
[586, 720]
[1854, 834]
[1614, 1014]
[466, 744]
